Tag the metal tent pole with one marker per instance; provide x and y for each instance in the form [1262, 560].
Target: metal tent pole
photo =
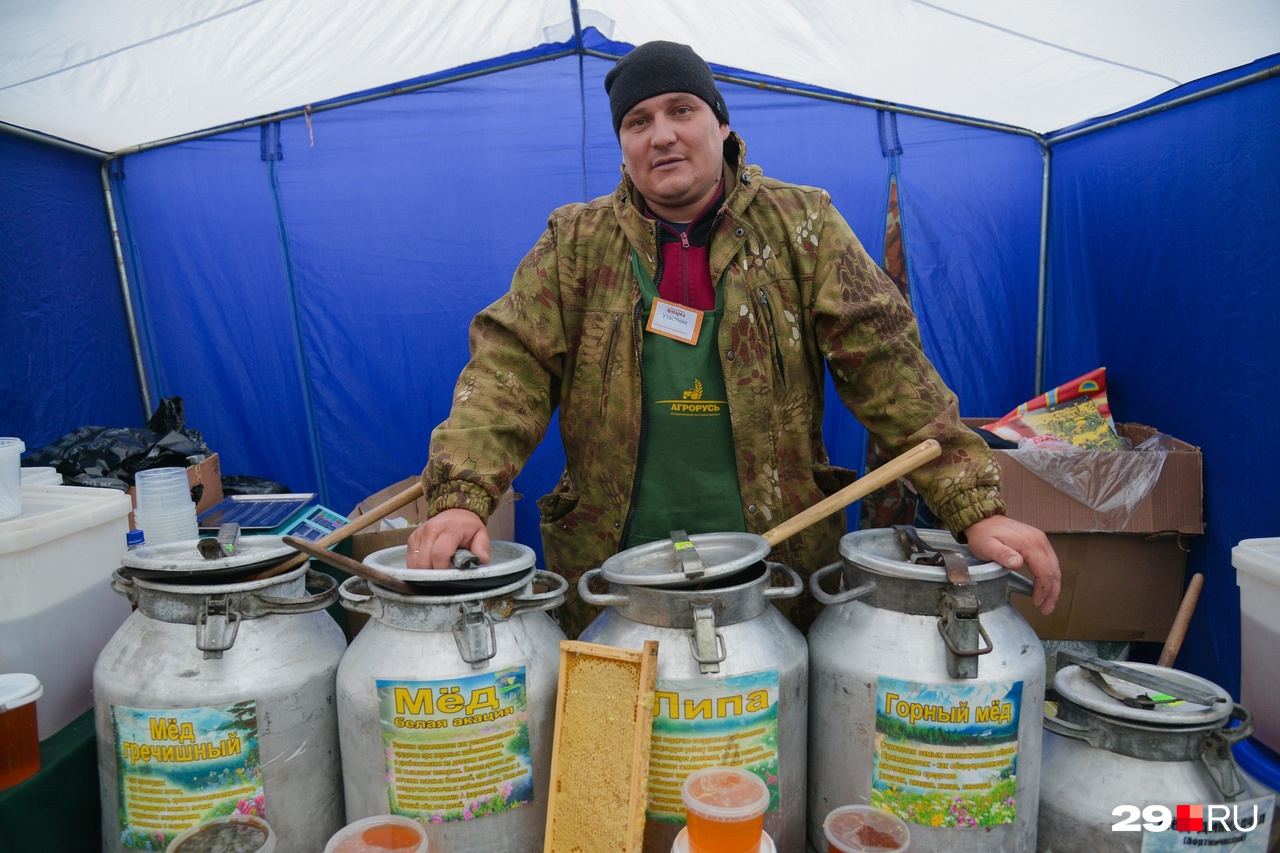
[1042, 293]
[123, 277]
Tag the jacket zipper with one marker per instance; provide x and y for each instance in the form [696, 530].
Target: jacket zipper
[644, 427]
[608, 361]
[684, 266]
[773, 333]
[657, 245]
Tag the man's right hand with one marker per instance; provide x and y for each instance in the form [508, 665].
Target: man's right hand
[432, 543]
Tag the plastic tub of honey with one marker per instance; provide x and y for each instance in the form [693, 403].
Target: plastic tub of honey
[19, 737]
[380, 834]
[237, 833]
[681, 844]
[725, 808]
[865, 829]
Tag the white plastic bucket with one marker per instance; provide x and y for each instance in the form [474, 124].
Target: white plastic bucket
[1257, 565]
[11, 477]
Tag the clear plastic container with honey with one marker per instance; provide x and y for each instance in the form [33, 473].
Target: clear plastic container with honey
[19, 736]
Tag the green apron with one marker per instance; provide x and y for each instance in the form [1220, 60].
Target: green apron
[688, 467]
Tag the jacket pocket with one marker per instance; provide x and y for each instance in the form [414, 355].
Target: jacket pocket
[832, 478]
[607, 364]
[557, 504]
[765, 308]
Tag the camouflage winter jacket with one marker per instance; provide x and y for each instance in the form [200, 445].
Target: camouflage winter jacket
[800, 293]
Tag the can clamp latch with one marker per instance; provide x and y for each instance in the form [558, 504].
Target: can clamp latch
[216, 626]
[473, 631]
[706, 641]
[958, 622]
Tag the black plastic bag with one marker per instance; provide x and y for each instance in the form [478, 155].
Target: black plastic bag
[111, 456]
[242, 484]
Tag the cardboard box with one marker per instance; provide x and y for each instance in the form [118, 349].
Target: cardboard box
[502, 523]
[1119, 582]
[207, 475]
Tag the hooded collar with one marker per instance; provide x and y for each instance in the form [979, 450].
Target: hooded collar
[741, 182]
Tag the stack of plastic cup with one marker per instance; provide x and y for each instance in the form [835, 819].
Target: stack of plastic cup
[165, 511]
[860, 828]
[11, 477]
[725, 808]
[44, 476]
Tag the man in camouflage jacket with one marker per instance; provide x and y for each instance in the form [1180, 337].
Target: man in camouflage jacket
[800, 297]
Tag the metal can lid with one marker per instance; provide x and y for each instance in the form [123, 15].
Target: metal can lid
[505, 558]
[18, 689]
[880, 550]
[1080, 686]
[184, 557]
[691, 560]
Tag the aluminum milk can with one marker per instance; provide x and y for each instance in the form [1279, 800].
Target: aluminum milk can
[215, 697]
[926, 693]
[732, 685]
[1129, 745]
[446, 700]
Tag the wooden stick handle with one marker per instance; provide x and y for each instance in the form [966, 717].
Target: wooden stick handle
[1178, 632]
[350, 566]
[860, 488]
[373, 516]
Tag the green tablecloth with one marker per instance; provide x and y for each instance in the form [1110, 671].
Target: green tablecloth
[57, 810]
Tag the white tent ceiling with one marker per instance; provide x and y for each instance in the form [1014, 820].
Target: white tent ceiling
[111, 74]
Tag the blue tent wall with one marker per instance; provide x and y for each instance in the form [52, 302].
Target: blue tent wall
[65, 351]
[307, 286]
[343, 267]
[1165, 247]
[312, 308]
[214, 309]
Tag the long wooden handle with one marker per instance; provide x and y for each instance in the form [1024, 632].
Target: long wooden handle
[373, 516]
[1178, 632]
[350, 566]
[860, 488]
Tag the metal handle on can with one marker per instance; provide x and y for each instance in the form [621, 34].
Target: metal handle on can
[308, 603]
[815, 587]
[596, 598]
[1020, 584]
[463, 559]
[352, 598]
[1215, 752]
[124, 585]
[791, 590]
[535, 601]
[1085, 733]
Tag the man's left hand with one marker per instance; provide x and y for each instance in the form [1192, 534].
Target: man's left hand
[1013, 544]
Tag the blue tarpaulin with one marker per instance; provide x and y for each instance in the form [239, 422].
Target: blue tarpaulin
[305, 285]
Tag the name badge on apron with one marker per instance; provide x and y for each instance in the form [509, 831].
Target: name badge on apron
[671, 320]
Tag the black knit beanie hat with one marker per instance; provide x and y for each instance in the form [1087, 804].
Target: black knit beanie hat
[656, 68]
